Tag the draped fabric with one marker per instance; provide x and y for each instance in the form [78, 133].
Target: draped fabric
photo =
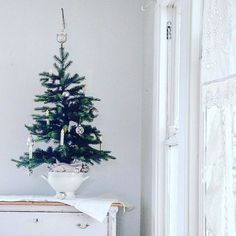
[219, 105]
[219, 156]
[219, 40]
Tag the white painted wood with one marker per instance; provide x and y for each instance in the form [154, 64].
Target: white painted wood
[190, 69]
[195, 218]
[53, 221]
[184, 108]
[37, 208]
[163, 118]
[112, 221]
[159, 120]
[49, 224]
[198, 26]
[173, 182]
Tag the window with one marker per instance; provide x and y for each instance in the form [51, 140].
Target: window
[176, 128]
[171, 125]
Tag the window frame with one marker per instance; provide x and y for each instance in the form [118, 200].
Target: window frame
[191, 18]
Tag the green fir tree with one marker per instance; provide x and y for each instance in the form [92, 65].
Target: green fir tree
[63, 120]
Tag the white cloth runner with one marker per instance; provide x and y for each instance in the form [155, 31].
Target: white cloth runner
[96, 208]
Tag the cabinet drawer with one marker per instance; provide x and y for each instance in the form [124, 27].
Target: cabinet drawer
[49, 224]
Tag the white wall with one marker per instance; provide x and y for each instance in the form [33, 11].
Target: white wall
[105, 42]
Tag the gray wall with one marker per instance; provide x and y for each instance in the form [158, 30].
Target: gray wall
[105, 41]
[147, 127]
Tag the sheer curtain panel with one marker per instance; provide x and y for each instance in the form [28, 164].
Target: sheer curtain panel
[219, 106]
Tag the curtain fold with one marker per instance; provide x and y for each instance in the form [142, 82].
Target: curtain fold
[219, 105]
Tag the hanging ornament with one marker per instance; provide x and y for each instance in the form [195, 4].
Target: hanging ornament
[62, 37]
[93, 136]
[94, 112]
[62, 136]
[66, 94]
[47, 115]
[30, 144]
[79, 129]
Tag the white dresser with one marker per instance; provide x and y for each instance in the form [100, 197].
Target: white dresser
[52, 219]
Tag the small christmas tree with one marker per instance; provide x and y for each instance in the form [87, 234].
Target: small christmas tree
[63, 121]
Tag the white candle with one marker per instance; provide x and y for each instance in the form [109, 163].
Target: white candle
[47, 115]
[62, 137]
[30, 144]
[50, 71]
[30, 151]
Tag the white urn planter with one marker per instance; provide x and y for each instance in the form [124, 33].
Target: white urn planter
[65, 183]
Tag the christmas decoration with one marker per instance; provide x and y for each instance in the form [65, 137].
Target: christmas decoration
[62, 37]
[94, 112]
[79, 130]
[47, 115]
[30, 144]
[62, 136]
[66, 94]
[63, 104]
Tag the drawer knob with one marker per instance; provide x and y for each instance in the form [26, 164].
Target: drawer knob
[36, 220]
[82, 226]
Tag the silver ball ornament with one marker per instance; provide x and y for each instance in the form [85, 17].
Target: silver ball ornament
[79, 130]
[94, 112]
[66, 94]
[61, 38]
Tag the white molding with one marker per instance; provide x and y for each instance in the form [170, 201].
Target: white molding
[194, 152]
[198, 16]
[185, 60]
[159, 126]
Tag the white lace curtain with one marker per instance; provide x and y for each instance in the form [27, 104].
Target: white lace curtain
[219, 98]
